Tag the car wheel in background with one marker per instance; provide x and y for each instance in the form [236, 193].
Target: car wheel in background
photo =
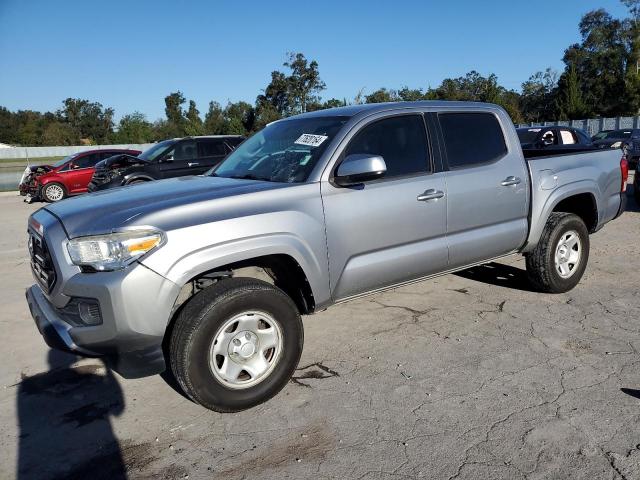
[53, 192]
[559, 260]
[236, 344]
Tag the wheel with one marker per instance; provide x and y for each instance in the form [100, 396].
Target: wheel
[236, 344]
[636, 195]
[557, 263]
[53, 192]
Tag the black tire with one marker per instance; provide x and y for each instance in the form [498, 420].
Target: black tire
[541, 268]
[200, 320]
[135, 182]
[48, 192]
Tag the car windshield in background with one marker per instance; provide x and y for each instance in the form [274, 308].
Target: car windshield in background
[528, 135]
[154, 152]
[285, 151]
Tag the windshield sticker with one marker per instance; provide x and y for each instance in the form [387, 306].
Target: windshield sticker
[310, 140]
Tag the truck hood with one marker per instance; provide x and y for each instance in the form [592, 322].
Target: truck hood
[165, 204]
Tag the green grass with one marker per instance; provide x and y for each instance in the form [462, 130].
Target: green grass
[22, 162]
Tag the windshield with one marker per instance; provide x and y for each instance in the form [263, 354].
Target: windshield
[154, 152]
[60, 163]
[528, 135]
[285, 151]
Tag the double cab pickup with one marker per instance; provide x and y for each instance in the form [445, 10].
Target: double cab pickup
[209, 275]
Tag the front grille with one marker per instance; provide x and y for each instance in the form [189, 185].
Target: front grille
[41, 263]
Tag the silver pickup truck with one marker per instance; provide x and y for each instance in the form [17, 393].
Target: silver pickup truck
[209, 275]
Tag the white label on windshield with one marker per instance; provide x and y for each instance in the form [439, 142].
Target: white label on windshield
[311, 140]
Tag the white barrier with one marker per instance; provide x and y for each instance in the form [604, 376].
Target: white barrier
[38, 152]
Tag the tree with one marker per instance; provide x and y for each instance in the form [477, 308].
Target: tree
[239, 119]
[571, 105]
[537, 99]
[382, 95]
[173, 107]
[304, 82]
[59, 133]
[214, 119]
[194, 125]
[134, 128]
[90, 120]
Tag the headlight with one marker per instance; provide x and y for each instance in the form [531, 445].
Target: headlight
[115, 250]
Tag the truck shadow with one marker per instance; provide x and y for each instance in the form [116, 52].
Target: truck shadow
[498, 274]
[64, 422]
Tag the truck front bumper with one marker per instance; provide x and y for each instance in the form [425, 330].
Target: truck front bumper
[135, 307]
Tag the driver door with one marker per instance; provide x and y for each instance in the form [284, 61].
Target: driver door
[180, 160]
[384, 232]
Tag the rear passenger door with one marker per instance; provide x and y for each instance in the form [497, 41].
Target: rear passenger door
[210, 153]
[383, 232]
[487, 188]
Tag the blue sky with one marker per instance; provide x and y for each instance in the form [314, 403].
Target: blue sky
[131, 54]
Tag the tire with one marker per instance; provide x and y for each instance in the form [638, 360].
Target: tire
[636, 195]
[53, 192]
[135, 182]
[544, 273]
[202, 374]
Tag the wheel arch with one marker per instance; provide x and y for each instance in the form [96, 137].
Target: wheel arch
[581, 200]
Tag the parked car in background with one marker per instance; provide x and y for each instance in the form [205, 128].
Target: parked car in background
[541, 141]
[628, 139]
[171, 158]
[209, 275]
[69, 176]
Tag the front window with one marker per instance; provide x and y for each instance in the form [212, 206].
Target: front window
[156, 151]
[285, 151]
[60, 163]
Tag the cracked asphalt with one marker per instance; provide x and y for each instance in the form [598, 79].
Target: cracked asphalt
[466, 376]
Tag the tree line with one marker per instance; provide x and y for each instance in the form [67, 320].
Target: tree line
[601, 77]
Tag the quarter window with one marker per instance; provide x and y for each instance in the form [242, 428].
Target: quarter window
[472, 138]
[400, 141]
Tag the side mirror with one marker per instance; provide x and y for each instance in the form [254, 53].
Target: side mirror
[359, 168]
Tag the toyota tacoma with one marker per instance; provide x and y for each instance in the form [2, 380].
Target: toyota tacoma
[209, 275]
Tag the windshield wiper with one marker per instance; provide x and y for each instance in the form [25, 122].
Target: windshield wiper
[250, 176]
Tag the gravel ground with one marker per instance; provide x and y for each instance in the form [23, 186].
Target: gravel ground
[466, 376]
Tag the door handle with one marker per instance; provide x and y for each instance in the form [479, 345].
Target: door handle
[510, 181]
[431, 194]
[191, 164]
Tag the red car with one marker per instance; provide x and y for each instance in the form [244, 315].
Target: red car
[69, 176]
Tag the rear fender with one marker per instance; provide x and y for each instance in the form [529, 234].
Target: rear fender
[542, 209]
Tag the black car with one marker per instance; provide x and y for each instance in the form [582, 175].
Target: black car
[171, 158]
[554, 140]
[628, 139]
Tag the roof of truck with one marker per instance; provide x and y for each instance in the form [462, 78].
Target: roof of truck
[353, 110]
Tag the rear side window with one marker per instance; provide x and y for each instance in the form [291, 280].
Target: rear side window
[212, 148]
[472, 138]
[568, 138]
[400, 141]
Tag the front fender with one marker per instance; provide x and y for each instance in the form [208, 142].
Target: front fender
[192, 251]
